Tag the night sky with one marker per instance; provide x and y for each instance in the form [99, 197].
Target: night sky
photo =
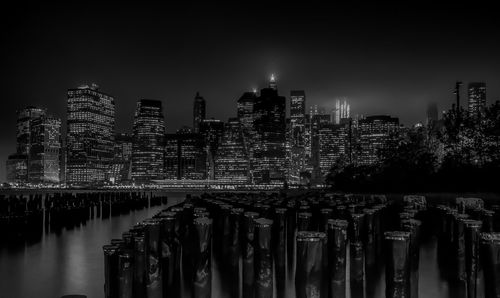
[387, 59]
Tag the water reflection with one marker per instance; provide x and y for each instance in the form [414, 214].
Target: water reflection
[62, 261]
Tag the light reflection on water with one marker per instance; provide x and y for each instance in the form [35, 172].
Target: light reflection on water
[70, 262]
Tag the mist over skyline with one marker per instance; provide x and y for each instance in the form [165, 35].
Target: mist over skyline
[385, 59]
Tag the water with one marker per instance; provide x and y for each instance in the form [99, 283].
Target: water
[71, 262]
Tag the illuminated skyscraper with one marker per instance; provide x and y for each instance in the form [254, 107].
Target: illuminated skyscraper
[333, 144]
[211, 130]
[477, 99]
[246, 116]
[342, 111]
[231, 162]
[199, 111]
[25, 119]
[270, 128]
[17, 164]
[245, 111]
[375, 133]
[148, 141]
[185, 155]
[298, 116]
[44, 155]
[296, 137]
[90, 134]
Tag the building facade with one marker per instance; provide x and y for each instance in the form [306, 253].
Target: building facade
[231, 162]
[185, 156]
[375, 132]
[270, 129]
[199, 111]
[212, 131]
[476, 99]
[245, 116]
[17, 164]
[44, 155]
[120, 170]
[90, 134]
[333, 145]
[148, 141]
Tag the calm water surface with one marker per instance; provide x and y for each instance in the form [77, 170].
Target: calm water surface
[67, 263]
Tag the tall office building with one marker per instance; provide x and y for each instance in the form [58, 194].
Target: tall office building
[342, 111]
[245, 116]
[199, 111]
[44, 155]
[148, 141]
[296, 137]
[211, 130]
[90, 134]
[17, 164]
[477, 99]
[333, 144]
[375, 132]
[25, 118]
[270, 129]
[120, 169]
[297, 116]
[245, 111]
[232, 163]
[185, 156]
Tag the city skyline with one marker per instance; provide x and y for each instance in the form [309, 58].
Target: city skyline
[265, 146]
[329, 51]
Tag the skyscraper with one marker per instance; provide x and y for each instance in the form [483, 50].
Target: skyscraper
[199, 111]
[44, 155]
[148, 141]
[477, 99]
[245, 111]
[342, 111]
[185, 155]
[298, 116]
[25, 118]
[333, 144]
[90, 134]
[245, 115]
[17, 164]
[375, 133]
[211, 130]
[270, 128]
[296, 137]
[231, 162]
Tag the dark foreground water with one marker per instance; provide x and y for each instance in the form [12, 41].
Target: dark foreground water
[71, 262]
[67, 262]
